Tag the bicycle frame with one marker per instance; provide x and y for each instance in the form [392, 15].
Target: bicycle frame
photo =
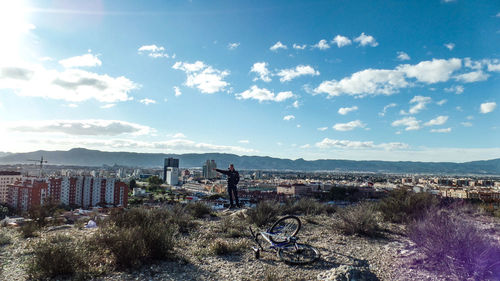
[273, 246]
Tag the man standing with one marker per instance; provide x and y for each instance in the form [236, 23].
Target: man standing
[233, 177]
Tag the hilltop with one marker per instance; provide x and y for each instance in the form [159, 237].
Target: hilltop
[86, 157]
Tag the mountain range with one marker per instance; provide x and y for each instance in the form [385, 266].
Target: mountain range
[86, 157]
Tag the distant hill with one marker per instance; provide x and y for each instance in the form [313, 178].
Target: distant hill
[86, 157]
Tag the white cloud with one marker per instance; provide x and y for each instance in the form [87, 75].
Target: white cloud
[488, 107]
[296, 104]
[456, 89]
[459, 108]
[292, 73]
[366, 40]
[420, 104]
[298, 125]
[473, 76]
[92, 127]
[87, 60]
[305, 146]
[278, 46]
[466, 124]
[384, 111]
[349, 126]
[153, 51]
[411, 123]
[498, 15]
[244, 141]
[403, 56]
[177, 91]
[204, 77]
[445, 130]
[322, 45]
[345, 110]
[232, 46]
[327, 143]
[368, 81]
[470, 117]
[450, 46]
[299, 47]
[323, 129]
[441, 102]
[179, 136]
[492, 65]
[263, 72]
[440, 120]
[437, 70]
[73, 85]
[341, 41]
[288, 117]
[147, 101]
[389, 81]
[109, 105]
[263, 94]
[476, 65]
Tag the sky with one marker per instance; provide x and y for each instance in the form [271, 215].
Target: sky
[360, 80]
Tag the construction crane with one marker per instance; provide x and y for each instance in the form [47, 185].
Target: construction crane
[41, 161]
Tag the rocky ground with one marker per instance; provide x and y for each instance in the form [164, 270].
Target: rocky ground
[389, 257]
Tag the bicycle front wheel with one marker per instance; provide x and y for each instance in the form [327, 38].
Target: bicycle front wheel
[298, 253]
[284, 228]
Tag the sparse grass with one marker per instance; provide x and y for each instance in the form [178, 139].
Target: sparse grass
[403, 206]
[264, 213]
[456, 246]
[361, 219]
[232, 228]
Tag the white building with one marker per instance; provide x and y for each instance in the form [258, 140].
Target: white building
[172, 176]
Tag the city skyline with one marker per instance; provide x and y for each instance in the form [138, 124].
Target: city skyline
[358, 80]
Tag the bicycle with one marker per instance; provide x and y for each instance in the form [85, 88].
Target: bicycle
[282, 240]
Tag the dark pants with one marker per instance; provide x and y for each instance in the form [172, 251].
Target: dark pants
[233, 191]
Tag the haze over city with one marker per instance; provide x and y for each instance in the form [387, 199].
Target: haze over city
[360, 80]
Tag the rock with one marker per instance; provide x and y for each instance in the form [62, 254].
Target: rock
[347, 273]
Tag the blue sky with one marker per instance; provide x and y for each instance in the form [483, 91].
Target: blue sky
[385, 80]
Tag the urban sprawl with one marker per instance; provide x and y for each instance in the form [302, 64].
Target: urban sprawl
[23, 187]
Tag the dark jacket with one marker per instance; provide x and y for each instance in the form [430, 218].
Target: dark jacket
[233, 177]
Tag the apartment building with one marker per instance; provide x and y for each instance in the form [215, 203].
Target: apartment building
[6, 178]
[26, 194]
[82, 191]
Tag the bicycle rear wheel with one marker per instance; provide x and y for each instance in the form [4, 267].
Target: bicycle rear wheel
[298, 253]
[284, 228]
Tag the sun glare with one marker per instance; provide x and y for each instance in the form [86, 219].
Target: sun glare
[14, 25]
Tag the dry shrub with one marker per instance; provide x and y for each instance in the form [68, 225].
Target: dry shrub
[198, 209]
[403, 206]
[361, 219]
[220, 247]
[307, 206]
[455, 246]
[264, 213]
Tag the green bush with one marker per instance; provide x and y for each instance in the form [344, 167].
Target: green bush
[264, 213]
[403, 206]
[53, 258]
[359, 219]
